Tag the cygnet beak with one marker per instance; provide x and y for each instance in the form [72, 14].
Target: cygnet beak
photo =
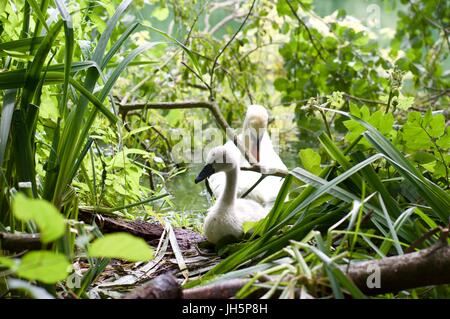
[206, 172]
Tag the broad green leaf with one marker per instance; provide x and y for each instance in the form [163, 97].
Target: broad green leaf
[281, 84]
[444, 141]
[437, 125]
[44, 266]
[310, 160]
[45, 215]
[415, 137]
[121, 246]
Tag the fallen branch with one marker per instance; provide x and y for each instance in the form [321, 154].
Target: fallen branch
[20, 242]
[222, 290]
[161, 287]
[427, 267]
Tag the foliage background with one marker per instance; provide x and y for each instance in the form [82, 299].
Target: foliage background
[385, 62]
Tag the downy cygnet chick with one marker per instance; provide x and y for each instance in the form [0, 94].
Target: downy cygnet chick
[226, 218]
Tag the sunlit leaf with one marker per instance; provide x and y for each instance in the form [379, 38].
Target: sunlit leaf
[121, 246]
[44, 266]
[45, 215]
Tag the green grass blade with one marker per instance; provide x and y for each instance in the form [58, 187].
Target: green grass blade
[37, 11]
[68, 51]
[391, 227]
[118, 44]
[94, 100]
[34, 74]
[436, 197]
[375, 182]
[106, 35]
[9, 101]
[276, 209]
[337, 273]
[23, 157]
[21, 45]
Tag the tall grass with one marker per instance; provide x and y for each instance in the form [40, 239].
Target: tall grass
[78, 105]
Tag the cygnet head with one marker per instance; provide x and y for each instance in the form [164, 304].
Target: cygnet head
[256, 119]
[219, 159]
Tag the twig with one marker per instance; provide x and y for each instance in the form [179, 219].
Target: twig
[307, 30]
[197, 75]
[253, 186]
[266, 171]
[192, 27]
[226, 46]
[360, 99]
[161, 287]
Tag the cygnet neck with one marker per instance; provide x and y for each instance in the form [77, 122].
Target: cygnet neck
[251, 142]
[228, 197]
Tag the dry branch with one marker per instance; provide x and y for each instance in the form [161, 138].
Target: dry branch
[20, 242]
[223, 290]
[427, 267]
[161, 287]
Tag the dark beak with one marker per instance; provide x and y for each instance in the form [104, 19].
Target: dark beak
[206, 172]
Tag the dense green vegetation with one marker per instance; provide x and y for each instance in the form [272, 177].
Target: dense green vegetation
[362, 107]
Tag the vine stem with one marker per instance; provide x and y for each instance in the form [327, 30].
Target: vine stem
[225, 47]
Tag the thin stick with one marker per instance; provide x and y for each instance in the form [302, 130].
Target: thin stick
[227, 45]
[307, 30]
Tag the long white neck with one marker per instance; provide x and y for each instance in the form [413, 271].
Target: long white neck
[252, 142]
[228, 197]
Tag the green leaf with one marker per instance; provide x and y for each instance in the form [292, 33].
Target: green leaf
[281, 84]
[310, 160]
[444, 141]
[21, 45]
[39, 14]
[45, 215]
[247, 226]
[415, 137]
[34, 73]
[437, 125]
[44, 266]
[160, 13]
[405, 102]
[7, 262]
[121, 246]
[69, 48]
